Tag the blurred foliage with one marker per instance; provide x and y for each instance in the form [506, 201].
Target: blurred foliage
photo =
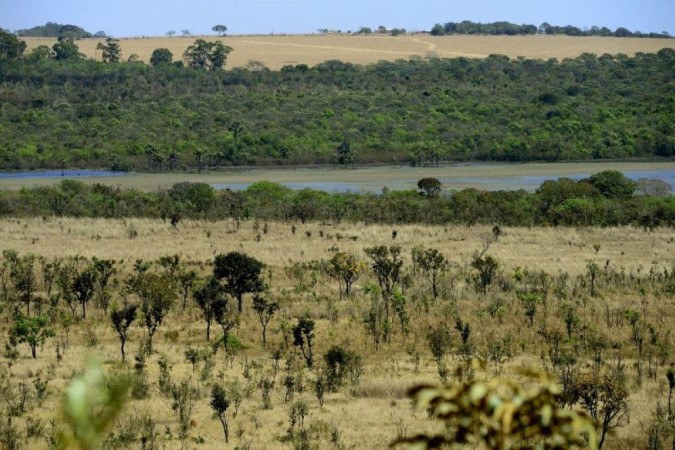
[91, 405]
[500, 414]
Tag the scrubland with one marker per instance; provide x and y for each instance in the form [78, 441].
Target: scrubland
[632, 274]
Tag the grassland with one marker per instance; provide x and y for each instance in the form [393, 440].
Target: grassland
[630, 248]
[369, 178]
[278, 51]
[375, 412]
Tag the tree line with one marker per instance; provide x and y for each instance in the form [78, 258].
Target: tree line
[190, 113]
[604, 199]
[512, 29]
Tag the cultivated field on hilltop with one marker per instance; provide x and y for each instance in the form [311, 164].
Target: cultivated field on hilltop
[278, 51]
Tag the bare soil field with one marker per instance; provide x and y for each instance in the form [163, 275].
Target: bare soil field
[278, 51]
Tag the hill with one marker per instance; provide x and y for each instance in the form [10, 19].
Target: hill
[87, 113]
[55, 30]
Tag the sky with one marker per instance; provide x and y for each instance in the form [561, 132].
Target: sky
[126, 18]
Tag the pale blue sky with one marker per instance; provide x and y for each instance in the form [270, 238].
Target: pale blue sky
[122, 18]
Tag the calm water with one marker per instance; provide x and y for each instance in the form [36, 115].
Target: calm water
[397, 182]
[68, 173]
[528, 182]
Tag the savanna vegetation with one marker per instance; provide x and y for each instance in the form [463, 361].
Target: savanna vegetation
[605, 199]
[272, 318]
[59, 109]
[476, 308]
[258, 331]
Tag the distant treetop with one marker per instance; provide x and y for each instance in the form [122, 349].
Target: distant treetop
[507, 28]
[55, 30]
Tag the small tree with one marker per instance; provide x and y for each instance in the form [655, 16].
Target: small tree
[157, 294]
[11, 47]
[387, 264]
[347, 268]
[429, 187]
[219, 403]
[65, 279]
[84, 285]
[432, 262]
[161, 56]
[206, 55]
[265, 310]
[605, 399]
[303, 337]
[344, 154]
[241, 274]
[206, 296]
[105, 269]
[529, 301]
[184, 397]
[339, 363]
[670, 375]
[32, 330]
[225, 317]
[487, 267]
[613, 184]
[639, 329]
[111, 52]
[186, 278]
[220, 29]
[22, 276]
[440, 342]
[593, 271]
[66, 49]
[375, 320]
[122, 320]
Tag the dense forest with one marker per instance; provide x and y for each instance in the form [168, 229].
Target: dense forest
[78, 112]
[512, 29]
[605, 199]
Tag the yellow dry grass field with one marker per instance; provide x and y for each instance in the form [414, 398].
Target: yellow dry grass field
[553, 250]
[278, 51]
[373, 413]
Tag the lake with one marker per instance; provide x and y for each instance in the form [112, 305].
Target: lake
[487, 176]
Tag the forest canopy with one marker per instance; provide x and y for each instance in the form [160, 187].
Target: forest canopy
[77, 112]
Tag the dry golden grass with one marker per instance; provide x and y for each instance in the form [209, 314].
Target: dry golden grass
[376, 412]
[553, 250]
[278, 51]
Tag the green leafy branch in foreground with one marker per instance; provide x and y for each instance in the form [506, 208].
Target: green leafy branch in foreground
[500, 414]
[91, 404]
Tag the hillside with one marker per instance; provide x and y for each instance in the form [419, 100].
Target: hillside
[86, 113]
[55, 30]
[278, 51]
